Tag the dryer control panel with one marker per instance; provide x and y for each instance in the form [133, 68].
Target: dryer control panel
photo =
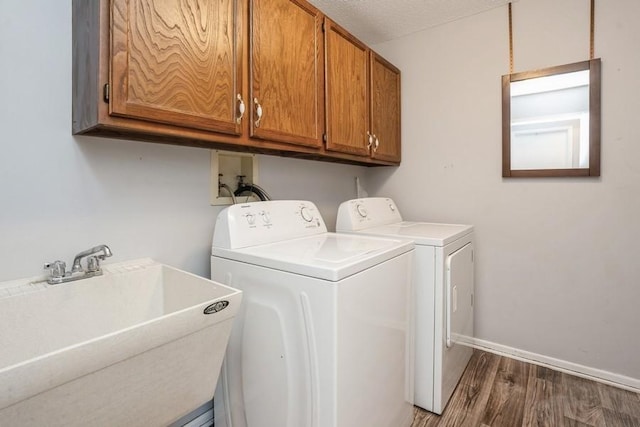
[257, 223]
[359, 214]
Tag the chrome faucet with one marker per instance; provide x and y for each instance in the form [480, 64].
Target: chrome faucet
[93, 255]
[93, 263]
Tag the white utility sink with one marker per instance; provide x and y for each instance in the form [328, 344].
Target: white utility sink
[133, 347]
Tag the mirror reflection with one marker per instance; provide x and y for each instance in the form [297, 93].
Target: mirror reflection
[551, 121]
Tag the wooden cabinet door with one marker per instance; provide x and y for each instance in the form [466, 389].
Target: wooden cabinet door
[346, 98]
[176, 62]
[385, 109]
[286, 72]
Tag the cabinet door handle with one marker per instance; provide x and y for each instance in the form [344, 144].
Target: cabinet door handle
[370, 140]
[376, 143]
[241, 109]
[258, 112]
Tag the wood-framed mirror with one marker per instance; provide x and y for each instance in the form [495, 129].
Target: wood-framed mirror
[551, 121]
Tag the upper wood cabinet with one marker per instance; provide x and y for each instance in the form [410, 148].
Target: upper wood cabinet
[286, 72]
[176, 62]
[347, 103]
[243, 75]
[362, 98]
[385, 109]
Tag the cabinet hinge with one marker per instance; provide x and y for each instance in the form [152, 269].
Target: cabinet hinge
[105, 92]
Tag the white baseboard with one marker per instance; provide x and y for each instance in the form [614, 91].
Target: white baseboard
[610, 378]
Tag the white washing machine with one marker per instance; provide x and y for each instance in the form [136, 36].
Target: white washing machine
[323, 337]
[444, 286]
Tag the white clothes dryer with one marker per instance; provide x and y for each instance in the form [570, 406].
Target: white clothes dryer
[323, 336]
[444, 290]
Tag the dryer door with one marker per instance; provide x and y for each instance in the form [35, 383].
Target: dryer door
[459, 288]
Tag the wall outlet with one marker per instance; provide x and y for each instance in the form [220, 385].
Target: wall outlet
[225, 168]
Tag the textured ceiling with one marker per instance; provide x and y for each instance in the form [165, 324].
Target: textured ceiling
[375, 21]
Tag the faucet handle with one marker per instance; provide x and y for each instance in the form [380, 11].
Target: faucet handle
[58, 268]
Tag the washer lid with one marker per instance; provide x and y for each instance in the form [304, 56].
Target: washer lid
[327, 256]
[422, 233]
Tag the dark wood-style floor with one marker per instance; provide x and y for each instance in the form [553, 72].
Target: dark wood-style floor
[497, 391]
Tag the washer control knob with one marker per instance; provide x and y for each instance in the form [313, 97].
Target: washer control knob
[251, 218]
[306, 214]
[361, 211]
[265, 217]
[393, 208]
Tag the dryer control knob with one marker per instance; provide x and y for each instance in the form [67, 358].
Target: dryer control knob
[306, 214]
[393, 208]
[361, 211]
[251, 219]
[265, 217]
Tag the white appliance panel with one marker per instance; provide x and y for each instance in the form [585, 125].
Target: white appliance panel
[268, 369]
[324, 335]
[424, 273]
[460, 296]
[373, 336]
[251, 224]
[328, 256]
[438, 367]
[422, 233]
[311, 369]
[354, 215]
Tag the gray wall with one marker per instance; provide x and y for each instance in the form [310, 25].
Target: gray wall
[557, 272]
[61, 194]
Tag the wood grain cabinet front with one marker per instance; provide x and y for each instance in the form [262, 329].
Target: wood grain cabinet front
[240, 75]
[385, 109]
[347, 103]
[176, 62]
[165, 71]
[286, 72]
[362, 98]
